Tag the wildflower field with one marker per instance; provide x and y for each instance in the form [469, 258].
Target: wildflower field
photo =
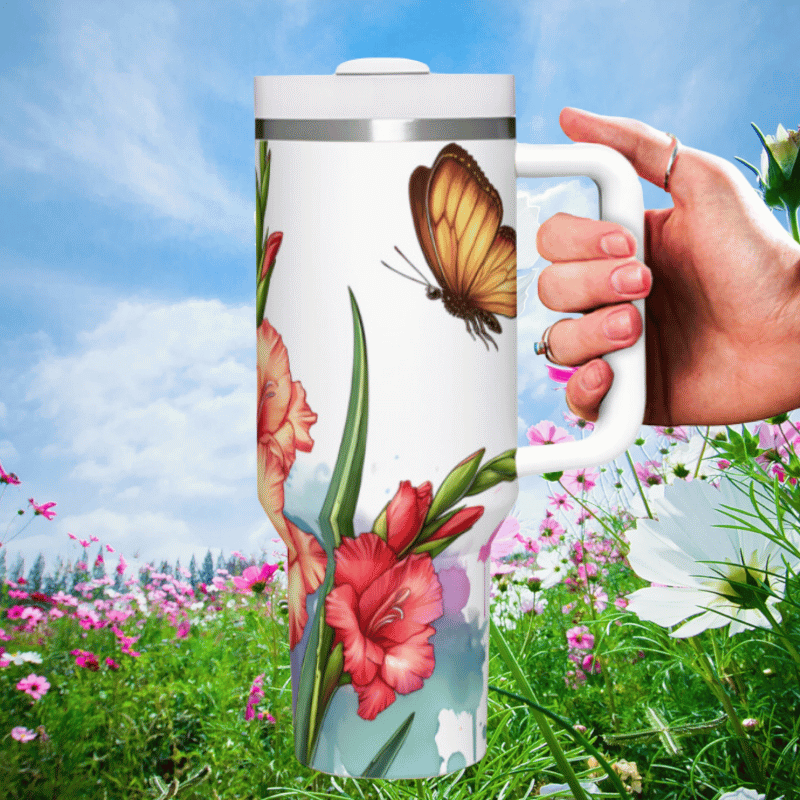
[645, 635]
[645, 644]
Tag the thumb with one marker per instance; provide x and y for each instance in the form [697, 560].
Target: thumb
[647, 149]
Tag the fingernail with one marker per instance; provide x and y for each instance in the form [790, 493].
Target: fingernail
[616, 244]
[628, 279]
[618, 325]
[592, 377]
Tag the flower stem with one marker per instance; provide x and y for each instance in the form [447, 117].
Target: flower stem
[778, 628]
[711, 678]
[611, 532]
[498, 640]
[639, 484]
[702, 450]
[791, 212]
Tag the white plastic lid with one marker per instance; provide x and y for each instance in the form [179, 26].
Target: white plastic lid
[384, 88]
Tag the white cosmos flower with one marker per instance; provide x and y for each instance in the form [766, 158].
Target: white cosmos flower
[671, 551]
[552, 567]
[685, 457]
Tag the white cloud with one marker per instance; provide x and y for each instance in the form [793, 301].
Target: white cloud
[115, 119]
[159, 398]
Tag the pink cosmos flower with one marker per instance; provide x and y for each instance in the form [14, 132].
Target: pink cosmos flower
[34, 685]
[577, 422]
[648, 473]
[112, 664]
[22, 734]
[674, 434]
[504, 538]
[580, 638]
[256, 695]
[561, 374]
[574, 678]
[44, 509]
[8, 477]
[591, 665]
[381, 609]
[86, 659]
[546, 432]
[254, 579]
[560, 501]
[551, 530]
[596, 597]
[580, 480]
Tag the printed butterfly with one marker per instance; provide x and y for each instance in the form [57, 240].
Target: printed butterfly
[457, 214]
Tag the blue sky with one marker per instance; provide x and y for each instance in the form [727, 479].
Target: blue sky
[127, 382]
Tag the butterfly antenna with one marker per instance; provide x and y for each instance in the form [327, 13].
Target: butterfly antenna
[403, 274]
[427, 282]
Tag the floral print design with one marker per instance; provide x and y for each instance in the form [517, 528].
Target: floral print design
[284, 420]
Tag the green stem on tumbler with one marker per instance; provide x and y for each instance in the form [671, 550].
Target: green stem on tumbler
[639, 484]
[558, 754]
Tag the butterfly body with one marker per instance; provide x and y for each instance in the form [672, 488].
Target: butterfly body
[457, 214]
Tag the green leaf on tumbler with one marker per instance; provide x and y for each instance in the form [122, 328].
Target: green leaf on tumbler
[379, 765]
[455, 485]
[336, 517]
[500, 468]
[317, 678]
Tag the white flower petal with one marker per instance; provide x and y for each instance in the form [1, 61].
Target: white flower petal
[699, 624]
[667, 605]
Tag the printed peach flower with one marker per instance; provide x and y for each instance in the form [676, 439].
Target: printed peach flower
[284, 419]
[381, 609]
[305, 569]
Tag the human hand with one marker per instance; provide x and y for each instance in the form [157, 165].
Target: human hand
[723, 311]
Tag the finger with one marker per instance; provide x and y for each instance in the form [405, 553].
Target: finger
[587, 387]
[647, 148]
[572, 342]
[564, 237]
[584, 285]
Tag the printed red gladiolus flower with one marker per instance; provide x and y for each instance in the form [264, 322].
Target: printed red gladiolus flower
[381, 609]
[406, 513]
[284, 419]
[461, 521]
[270, 252]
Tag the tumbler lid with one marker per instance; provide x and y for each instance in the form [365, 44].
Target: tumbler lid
[383, 88]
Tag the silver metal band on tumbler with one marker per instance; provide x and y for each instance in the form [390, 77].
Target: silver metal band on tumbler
[385, 130]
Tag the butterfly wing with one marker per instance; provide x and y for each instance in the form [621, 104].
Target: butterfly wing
[457, 214]
[494, 287]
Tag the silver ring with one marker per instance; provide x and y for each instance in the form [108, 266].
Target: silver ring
[542, 348]
[671, 162]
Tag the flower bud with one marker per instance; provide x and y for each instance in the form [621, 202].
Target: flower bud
[270, 252]
[455, 485]
[779, 178]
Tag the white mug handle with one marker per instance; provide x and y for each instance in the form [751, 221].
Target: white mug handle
[622, 410]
